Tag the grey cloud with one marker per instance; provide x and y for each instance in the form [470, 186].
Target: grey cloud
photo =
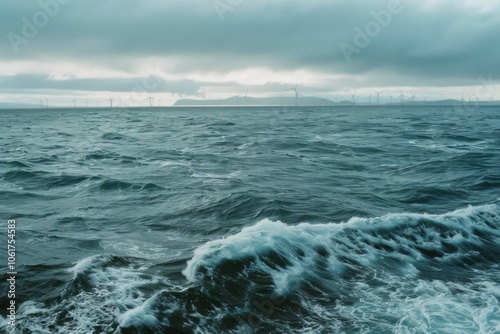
[420, 44]
[149, 84]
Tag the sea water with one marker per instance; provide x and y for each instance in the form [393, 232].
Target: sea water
[253, 220]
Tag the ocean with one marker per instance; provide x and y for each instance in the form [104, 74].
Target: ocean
[252, 219]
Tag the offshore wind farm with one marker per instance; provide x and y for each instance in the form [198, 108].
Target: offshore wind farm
[407, 98]
[383, 97]
[255, 102]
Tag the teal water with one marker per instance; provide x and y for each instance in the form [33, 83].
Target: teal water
[254, 220]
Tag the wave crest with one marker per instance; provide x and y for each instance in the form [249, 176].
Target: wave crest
[406, 243]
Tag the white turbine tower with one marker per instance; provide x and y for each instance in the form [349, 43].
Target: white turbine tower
[111, 102]
[353, 96]
[413, 95]
[402, 96]
[370, 99]
[378, 95]
[41, 104]
[74, 103]
[46, 103]
[296, 94]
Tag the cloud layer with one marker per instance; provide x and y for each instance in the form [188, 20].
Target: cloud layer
[223, 47]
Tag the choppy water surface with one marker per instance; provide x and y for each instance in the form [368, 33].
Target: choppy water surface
[254, 220]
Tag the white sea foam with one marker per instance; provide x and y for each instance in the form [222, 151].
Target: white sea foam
[102, 291]
[391, 294]
[3, 324]
[401, 236]
[136, 248]
[139, 315]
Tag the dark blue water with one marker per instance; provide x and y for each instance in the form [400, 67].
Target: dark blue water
[253, 220]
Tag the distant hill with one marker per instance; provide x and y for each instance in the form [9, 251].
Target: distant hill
[450, 102]
[317, 101]
[256, 101]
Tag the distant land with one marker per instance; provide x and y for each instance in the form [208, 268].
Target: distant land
[316, 101]
[258, 101]
[249, 101]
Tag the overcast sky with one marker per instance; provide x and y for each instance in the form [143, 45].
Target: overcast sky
[91, 50]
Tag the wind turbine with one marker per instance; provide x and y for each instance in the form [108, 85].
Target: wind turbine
[97, 104]
[41, 104]
[111, 102]
[391, 96]
[246, 100]
[151, 101]
[425, 97]
[413, 95]
[46, 103]
[74, 103]
[353, 96]
[370, 99]
[296, 94]
[402, 96]
[378, 95]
